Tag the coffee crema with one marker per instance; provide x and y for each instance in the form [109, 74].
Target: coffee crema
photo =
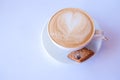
[71, 27]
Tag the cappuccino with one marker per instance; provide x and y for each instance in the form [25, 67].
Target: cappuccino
[71, 28]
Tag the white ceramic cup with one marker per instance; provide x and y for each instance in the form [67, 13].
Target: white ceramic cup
[96, 34]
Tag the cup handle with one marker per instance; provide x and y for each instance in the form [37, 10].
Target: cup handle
[100, 34]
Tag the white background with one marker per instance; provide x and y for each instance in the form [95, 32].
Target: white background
[21, 54]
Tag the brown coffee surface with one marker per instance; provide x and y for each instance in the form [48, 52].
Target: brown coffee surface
[70, 27]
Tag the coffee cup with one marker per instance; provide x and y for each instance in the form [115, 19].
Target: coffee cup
[71, 29]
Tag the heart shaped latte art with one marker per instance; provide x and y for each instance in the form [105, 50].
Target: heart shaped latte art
[70, 28]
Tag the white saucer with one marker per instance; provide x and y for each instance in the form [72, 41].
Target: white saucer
[61, 55]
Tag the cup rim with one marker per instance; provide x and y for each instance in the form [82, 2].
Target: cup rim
[81, 45]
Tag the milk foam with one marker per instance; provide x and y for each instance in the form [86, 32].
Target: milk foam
[70, 28]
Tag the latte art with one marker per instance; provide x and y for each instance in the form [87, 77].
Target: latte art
[70, 28]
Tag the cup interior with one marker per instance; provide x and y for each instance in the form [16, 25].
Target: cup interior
[80, 46]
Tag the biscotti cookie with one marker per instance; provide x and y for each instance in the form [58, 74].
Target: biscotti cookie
[81, 55]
